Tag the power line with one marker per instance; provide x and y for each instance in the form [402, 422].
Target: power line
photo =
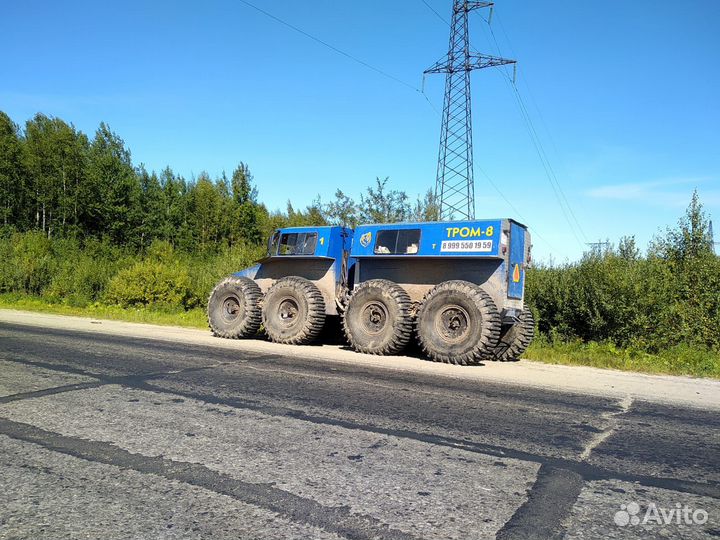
[328, 45]
[559, 193]
[340, 52]
[492, 183]
[524, 111]
[443, 19]
[557, 182]
[546, 166]
[502, 195]
[524, 78]
[534, 137]
[513, 208]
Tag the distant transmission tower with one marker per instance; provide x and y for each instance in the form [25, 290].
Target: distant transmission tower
[713, 243]
[455, 187]
[598, 248]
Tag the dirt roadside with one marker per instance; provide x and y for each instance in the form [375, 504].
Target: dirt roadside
[687, 391]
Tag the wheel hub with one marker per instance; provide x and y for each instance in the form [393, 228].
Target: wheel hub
[453, 323]
[231, 308]
[288, 311]
[374, 317]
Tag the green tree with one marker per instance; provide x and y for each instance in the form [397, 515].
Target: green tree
[14, 192]
[380, 205]
[627, 249]
[177, 198]
[342, 211]
[312, 216]
[690, 239]
[111, 201]
[206, 206]
[153, 204]
[247, 212]
[426, 208]
[694, 316]
[56, 159]
[242, 185]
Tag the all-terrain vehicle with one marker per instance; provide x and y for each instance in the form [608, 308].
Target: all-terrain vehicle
[457, 286]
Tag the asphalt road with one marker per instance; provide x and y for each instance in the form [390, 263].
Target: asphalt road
[109, 437]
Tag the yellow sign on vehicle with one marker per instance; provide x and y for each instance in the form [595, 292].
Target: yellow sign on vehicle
[365, 239]
[516, 274]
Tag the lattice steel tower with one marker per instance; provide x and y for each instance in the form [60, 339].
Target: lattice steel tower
[455, 187]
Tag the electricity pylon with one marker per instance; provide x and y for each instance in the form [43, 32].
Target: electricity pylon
[455, 187]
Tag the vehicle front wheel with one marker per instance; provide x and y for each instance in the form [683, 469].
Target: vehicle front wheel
[377, 319]
[458, 323]
[293, 311]
[233, 308]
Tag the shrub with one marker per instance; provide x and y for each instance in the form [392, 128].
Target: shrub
[649, 304]
[81, 280]
[28, 263]
[205, 272]
[150, 282]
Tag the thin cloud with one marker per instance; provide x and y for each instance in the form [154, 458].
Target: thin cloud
[667, 192]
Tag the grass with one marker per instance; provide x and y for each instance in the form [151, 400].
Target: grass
[194, 318]
[680, 360]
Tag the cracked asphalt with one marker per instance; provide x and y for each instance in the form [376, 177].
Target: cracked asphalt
[118, 436]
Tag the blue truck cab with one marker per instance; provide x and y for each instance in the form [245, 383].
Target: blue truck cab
[457, 287]
[318, 254]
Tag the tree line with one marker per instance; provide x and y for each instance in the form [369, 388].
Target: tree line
[56, 179]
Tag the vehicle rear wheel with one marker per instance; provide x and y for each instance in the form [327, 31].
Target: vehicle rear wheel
[377, 319]
[458, 323]
[234, 308]
[515, 339]
[293, 311]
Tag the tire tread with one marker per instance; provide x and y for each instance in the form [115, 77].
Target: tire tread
[490, 330]
[252, 295]
[403, 330]
[519, 343]
[316, 311]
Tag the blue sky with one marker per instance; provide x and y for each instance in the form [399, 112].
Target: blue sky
[624, 96]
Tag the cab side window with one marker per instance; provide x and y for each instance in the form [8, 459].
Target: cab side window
[273, 244]
[398, 242]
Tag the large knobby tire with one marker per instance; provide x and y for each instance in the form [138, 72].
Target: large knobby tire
[293, 311]
[515, 339]
[234, 308]
[377, 319]
[458, 323]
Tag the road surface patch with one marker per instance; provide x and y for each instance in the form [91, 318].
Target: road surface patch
[392, 479]
[47, 494]
[18, 379]
[601, 511]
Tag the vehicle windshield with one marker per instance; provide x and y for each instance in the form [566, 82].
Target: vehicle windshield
[298, 244]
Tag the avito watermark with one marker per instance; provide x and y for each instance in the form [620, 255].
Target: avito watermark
[630, 515]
